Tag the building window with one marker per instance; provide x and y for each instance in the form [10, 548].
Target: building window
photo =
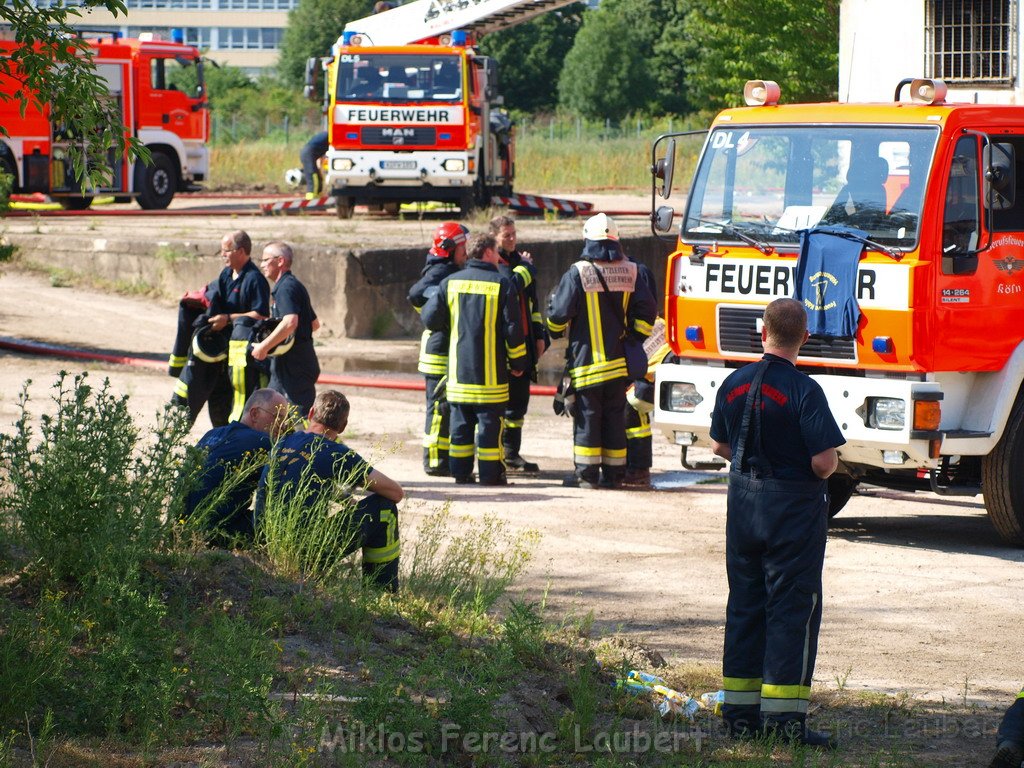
[250, 37]
[971, 41]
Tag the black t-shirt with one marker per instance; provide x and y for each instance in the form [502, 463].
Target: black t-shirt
[292, 298]
[796, 421]
[248, 292]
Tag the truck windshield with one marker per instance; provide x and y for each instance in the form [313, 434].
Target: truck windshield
[770, 182]
[399, 77]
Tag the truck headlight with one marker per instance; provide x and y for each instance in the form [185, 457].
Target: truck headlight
[454, 165]
[680, 396]
[887, 413]
[341, 164]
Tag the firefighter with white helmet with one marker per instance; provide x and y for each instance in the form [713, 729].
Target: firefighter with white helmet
[598, 303]
[446, 256]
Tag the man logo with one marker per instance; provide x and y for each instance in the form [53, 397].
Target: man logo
[820, 281]
[398, 139]
[1009, 264]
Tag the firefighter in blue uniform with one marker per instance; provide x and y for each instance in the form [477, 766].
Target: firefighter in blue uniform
[293, 371]
[239, 447]
[313, 469]
[447, 255]
[518, 267]
[478, 308]
[600, 300]
[773, 423]
[199, 360]
[241, 298]
[1010, 738]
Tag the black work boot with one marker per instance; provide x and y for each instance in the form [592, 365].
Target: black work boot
[588, 477]
[1009, 755]
[637, 478]
[512, 441]
[796, 732]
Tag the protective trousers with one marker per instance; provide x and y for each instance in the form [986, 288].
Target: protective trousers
[373, 527]
[294, 375]
[201, 383]
[774, 552]
[639, 450]
[515, 413]
[1012, 727]
[599, 431]
[244, 373]
[435, 432]
[486, 422]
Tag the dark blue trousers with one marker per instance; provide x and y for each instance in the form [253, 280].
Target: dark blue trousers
[436, 428]
[775, 549]
[485, 422]
[1012, 727]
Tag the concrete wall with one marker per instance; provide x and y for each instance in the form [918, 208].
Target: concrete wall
[356, 293]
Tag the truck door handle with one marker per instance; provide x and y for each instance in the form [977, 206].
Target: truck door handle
[165, 119]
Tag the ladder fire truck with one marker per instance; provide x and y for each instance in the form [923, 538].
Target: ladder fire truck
[929, 388]
[412, 109]
[173, 125]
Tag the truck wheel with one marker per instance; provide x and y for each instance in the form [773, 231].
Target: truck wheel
[1002, 481]
[7, 168]
[840, 489]
[467, 202]
[344, 207]
[392, 208]
[75, 203]
[156, 183]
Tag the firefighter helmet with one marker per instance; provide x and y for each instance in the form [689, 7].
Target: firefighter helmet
[209, 345]
[446, 237]
[601, 227]
[262, 331]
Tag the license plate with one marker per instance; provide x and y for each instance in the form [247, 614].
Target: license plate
[398, 165]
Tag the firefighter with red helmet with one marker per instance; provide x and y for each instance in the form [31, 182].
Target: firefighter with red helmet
[446, 256]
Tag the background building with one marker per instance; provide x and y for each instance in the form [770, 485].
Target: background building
[974, 45]
[241, 33]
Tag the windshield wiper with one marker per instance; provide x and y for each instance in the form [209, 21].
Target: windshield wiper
[731, 230]
[896, 254]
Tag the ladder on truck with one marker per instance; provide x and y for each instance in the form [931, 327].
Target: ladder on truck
[425, 19]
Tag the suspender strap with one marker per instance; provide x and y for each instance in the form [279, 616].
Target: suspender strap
[753, 405]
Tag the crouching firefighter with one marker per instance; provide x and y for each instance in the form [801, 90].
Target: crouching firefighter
[447, 255]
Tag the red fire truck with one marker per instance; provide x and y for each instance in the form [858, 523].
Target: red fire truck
[412, 108]
[172, 124]
[928, 388]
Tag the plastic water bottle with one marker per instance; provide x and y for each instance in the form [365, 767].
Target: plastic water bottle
[646, 678]
[713, 701]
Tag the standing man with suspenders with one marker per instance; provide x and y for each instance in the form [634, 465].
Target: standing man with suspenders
[773, 423]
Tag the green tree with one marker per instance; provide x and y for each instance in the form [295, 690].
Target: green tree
[313, 27]
[55, 67]
[793, 42]
[531, 57]
[612, 69]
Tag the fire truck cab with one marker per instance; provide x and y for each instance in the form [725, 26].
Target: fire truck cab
[172, 124]
[413, 111]
[928, 389]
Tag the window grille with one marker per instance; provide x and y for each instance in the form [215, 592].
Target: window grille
[971, 41]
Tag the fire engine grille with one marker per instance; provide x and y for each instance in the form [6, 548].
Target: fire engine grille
[399, 137]
[737, 332]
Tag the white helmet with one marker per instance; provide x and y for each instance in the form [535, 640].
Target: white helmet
[294, 177]
[601, 227]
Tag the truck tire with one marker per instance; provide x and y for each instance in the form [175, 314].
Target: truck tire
[392, 207]
[344, 207]
[1002, 481]
[156, 183]
[75, 203]
[840, 489]
[467, 202]
[7, 167]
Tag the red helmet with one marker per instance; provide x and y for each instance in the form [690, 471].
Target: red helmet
[446, 237]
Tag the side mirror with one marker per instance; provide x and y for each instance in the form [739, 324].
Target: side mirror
[491, 73]
[1000, 175]
[309, 89]
[662, 218]
[663, 169]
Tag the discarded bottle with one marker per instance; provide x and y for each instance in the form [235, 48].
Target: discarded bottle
[646, 677]
[713, 701]
[675, 703]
